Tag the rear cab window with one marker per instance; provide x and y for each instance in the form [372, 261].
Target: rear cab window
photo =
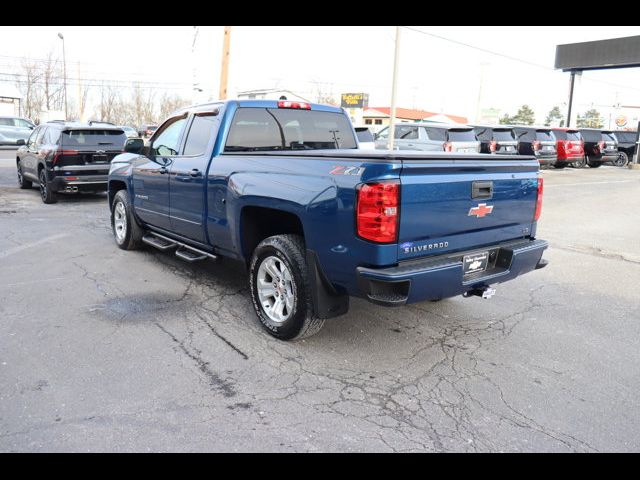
[269, 129]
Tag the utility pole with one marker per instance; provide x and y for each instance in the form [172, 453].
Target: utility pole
[195, 87]
[394, 91]
[80, 105]
[224, 71]
[64, 63]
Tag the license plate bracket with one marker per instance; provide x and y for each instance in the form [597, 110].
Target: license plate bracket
[475, 263]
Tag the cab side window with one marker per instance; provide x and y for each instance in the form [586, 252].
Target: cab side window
[203, 128]
[31, 143]
[167, 142]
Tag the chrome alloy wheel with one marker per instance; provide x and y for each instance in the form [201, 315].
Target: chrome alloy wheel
[120, 222]
[276, 289]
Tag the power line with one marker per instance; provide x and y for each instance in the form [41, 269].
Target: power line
[515, 59]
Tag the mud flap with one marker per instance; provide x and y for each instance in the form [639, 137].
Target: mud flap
[327, 302]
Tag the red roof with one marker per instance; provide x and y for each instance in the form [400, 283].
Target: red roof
[412, 114]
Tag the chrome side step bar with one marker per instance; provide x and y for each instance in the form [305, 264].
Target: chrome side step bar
[183, 251]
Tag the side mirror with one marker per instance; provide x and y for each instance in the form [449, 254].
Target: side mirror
[20, 142]
[134, 145]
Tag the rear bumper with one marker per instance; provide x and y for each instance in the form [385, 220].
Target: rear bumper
[79, 183]
[440, 277]
[569, 158]
[547, 159]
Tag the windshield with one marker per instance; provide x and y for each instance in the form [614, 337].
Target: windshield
[364, 135]
[264, 129]
[503, 135]
[462, 135]
[93, 137]
[545, 136]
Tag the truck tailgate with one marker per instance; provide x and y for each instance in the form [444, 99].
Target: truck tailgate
[448, 205]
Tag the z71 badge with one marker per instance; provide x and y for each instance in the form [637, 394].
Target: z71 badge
[344, 170]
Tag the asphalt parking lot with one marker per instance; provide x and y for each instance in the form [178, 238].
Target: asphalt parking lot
[107, 350]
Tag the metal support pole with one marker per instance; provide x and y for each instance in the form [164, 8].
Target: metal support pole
[571, 84]
[224, 72]
[64, 63]
[394, 89]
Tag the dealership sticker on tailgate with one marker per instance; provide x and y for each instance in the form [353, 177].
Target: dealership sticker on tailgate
[475, 263]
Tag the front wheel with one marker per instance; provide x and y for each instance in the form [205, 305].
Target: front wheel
[22, 182]
[127, 232]
[47, 195]
[622, 159]
[579, 162]
[280, 289]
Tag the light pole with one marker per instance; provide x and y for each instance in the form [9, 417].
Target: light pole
[64, 66]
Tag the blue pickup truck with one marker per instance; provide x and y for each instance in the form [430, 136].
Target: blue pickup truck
[283, 187]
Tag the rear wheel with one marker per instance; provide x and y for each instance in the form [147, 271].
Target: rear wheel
[24, 183]
[126, 231]
[579, 162]
[47, 195]
[622, 159]
[280, 289]
[593, 163]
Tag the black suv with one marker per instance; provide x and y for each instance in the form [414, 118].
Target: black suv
[496, 139]
[537, 141]
[600, 146]
[626, 146]
[68, 157]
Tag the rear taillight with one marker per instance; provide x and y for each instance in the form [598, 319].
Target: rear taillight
[61, 153]
[536, 215]
[568, 145]
[536, 145]
[298, 105]
[493, 146]
[448, 147]
[601, 145]
[377, 211]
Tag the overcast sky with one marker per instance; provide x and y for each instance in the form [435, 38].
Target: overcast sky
[435, 74]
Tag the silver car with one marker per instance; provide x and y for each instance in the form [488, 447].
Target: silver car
[13, 129]
[130, 132]
[431, 137]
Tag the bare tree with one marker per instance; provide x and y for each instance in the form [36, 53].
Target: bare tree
[143, 105]
[169, 104]
[29, 86]
[52, 83]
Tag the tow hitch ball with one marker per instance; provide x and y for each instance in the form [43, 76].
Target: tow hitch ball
[484, 292]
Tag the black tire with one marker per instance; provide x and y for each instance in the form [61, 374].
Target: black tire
[47, 195]
[622, 159]
[579, 163]
[559, 165]
[23, 182]
[593, 163]
[131, 239]
[290, 251]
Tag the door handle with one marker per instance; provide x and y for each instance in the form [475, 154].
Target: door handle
[195, 173]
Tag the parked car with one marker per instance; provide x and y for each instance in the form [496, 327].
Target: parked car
[599, 146]
[365, 138]
[68, 157]
[626, 146]
[13, 129]
[282, 187]
[431, 137]
[570, 147]
[146, 130]
[537, 141]
[130, 132]
[496, 139]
